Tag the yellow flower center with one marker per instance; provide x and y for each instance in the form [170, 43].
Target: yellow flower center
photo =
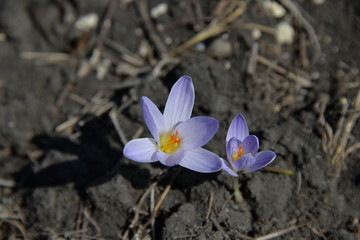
[169, 142]
[238, 154]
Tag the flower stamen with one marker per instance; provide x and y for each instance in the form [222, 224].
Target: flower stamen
[238, 154]
[169, 142]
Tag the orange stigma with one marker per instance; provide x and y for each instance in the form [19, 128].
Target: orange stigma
[169, 142]
[238, 154]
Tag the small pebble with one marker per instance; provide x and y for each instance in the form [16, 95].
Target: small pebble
[354, 71]
[159, 10]
[168, 40]
[256, 34]
[274, 8]
[327, 39]
[315, 75]
[225, 36]
[12, 124]
[103, 68]
[2, 37]
[318, 2]
[221, 48]
[144, 49]
[335, 49]
[87, 22]
[200, 47]
[227, 65]
[139, 32]
[284, 33]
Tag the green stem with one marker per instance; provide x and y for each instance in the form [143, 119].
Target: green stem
[237, 194]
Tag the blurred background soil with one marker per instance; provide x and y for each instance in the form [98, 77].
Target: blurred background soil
[71, 76]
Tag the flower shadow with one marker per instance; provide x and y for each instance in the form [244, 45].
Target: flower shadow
[88, 161]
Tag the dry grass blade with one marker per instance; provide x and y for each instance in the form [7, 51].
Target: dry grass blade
[18, 225]
[277, 170]
[352, 148]
[116, 123]
[140, 203]
[302, 52]
[126, 55]
[344, 109]
[65, 125]
[92, 220]
[152, 207]
[7, 183]
[281, 232]
[157, 70]
[138, 133]
[211, 202]
[307, 26]
[156, 40]
[298, 182]
[160, 201]
[96, 108]
[213, 29]
[106, 23]
[342, 136]
[251, 26]
[251, 67]
[46, 57]
[137, 209]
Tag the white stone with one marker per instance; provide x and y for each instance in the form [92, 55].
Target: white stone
[284, 33]
[87, 22]
[275, 9]
[159, 10]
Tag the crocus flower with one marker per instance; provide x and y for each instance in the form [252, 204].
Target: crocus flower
[242, 150]
[177, 138]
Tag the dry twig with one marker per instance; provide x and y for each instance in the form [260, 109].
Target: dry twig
[156, 40]
[218, 227]
[292, 76]
[116, 123]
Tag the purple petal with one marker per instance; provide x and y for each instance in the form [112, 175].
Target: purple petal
[244, 163]
[154, 120]
[141, 150]
[251, 145]
[180, 102]
[201, 160]
[172, 159]
[196, 132]
[238, 128]
[262, 159]
[227, 168]
[232, 146]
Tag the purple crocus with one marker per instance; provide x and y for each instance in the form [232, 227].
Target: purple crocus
[177, 138]
[242, 150]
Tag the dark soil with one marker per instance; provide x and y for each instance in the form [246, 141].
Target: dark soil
[62, 173]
